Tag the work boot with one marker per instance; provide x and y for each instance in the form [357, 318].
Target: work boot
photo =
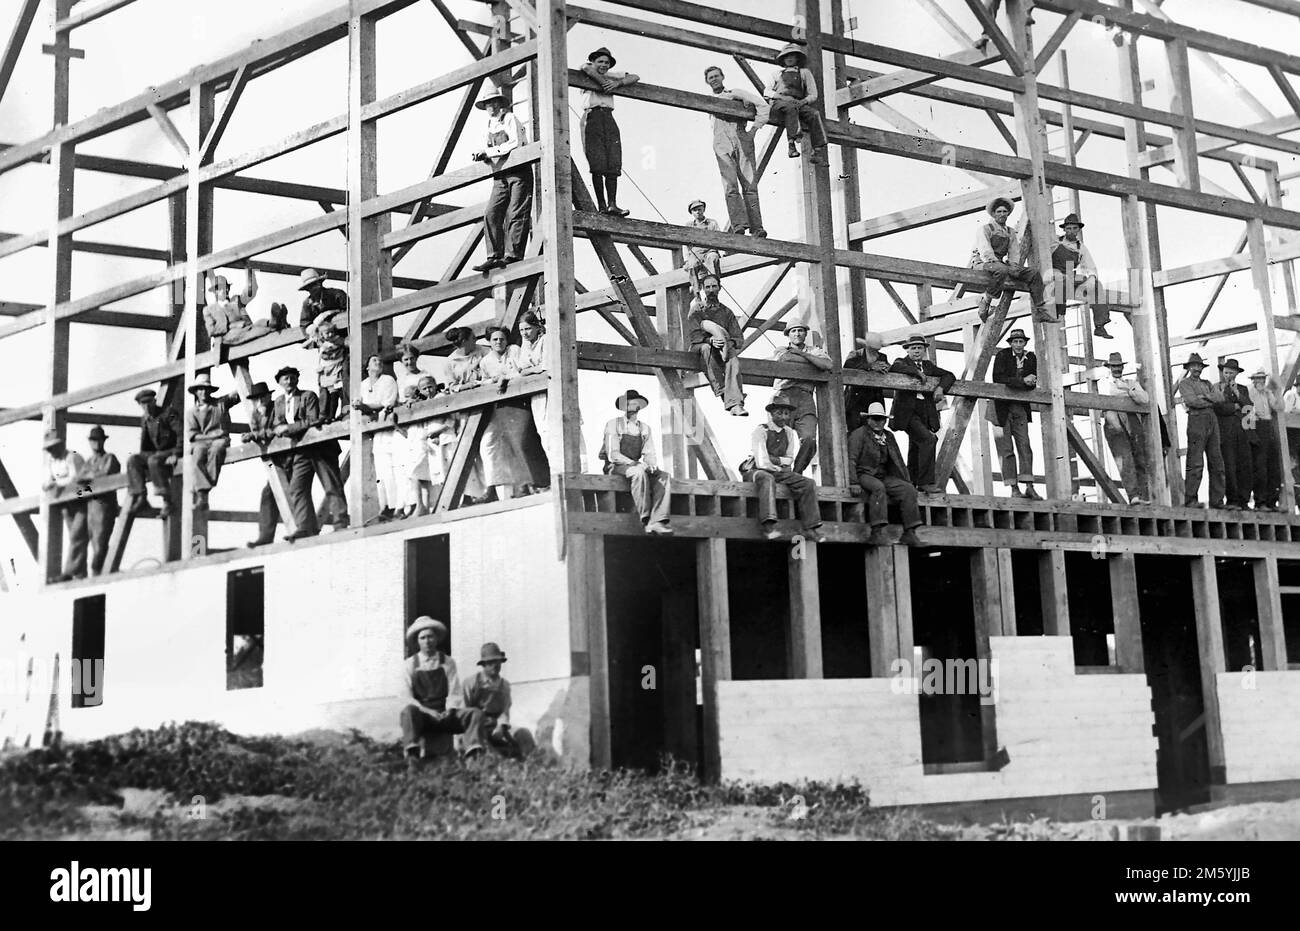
[815, 534]
[659, 527]
[769, 530]
[909, 538]
[878, 537]
[792, 149]
[932, 489]
[1101, 333]
[489, 263]
[260, 541]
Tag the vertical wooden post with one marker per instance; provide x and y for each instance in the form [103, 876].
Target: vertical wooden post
[1054, 596]
[819, 227]
[903, 601]
[585, 564]
[804, 643]
[1125, 613]
[715, 642]
[363, 253]
[882, 612]
[1185, 158]
[1268, 344]
[1006, 591]
[848, 190]
[988, 623]
[1268, 602]
[1038, 206]
[672, 413]
[1209, 641]
[981, 469]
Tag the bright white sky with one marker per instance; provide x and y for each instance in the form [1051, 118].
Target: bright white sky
[668, 162]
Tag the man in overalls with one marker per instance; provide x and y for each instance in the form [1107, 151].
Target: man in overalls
[774, 449]
[997, 252]
[487, 695]
[437, 701]
[509, 215]
[629, 450]
[793, 93]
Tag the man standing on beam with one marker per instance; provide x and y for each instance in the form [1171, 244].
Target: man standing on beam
[1016, 369]
[803, 394]
[916, 412]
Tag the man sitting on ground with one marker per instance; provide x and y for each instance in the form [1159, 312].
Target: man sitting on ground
[487, 704]
[437, 701]
[878, 462]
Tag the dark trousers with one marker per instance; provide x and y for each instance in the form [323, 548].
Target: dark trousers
[298, 470]
[334, 401]
[1293, 442]
[804, 488]
[268, 515]
[509, 215]
[881, 491]
[650, 493]
[921, 451]
[101, 515]
[1203, 444]
[803, 420]
[417, 724]
[799, 119]
[331, 480]
[1001, 274]
[76, 536]
[1266, 463]
[1014, 431]
[1085, 288]
[151, 465]
[723, 373]
[1237, 471]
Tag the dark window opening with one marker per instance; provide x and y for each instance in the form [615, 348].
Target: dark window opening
[245, 628]
[1092, 618]
[86, 672]
[841, 579]
[758, 585]
[1288, 573]
[1028, 589]
[1239, 613]
[428, 585]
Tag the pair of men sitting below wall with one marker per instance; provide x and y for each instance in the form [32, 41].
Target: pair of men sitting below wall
[478, 709]
[87, 522]
[716, 336]
[509, 215]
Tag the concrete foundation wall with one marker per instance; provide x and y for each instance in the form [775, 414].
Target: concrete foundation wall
[1261, 741]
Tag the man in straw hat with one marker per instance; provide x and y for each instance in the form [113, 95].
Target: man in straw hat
[487, 701]
[998, 252]
[717, 337]
[1199, 397]
[868, 357]
[319, 299]
[205, 424]
[915, 412]
[261, 430]
[1017, 369]
[1126, 432]
[878, 463]
[436, 703]
[1077, 274]
[773, 450]
[802, 393]
[733, 147]
[701, 260]
[160, 449]
[101, 510]
[61, 468]
[629, 450]
[509, 215]
[601, 140]
[793, 94]
[1265, 447]
[1231, 410]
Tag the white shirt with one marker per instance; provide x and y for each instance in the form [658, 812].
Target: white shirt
[592, 98]
[62, 471]
[380, 393]
[726, 131]
[1264, 402]
[503, 366]
[1291, 400]
[1123, 388]
[533, 355]
[1083, 263]
[758, 447]
[510, 127]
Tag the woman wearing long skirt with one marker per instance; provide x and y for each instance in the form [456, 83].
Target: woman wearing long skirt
[378, 398]
[505, 464]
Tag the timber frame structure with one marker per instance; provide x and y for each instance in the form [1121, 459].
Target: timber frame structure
[530, 42]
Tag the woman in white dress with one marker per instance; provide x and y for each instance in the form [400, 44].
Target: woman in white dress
[505, 465]
[424, 439]
[378, 398]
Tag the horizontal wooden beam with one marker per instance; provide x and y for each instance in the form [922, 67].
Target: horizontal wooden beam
[89, 13]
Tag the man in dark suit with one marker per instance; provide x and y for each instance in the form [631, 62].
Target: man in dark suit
[1233, 440]
[160, 449]
[1018, 370]
[261, 430]
[875, 457]
[295, 413]
[915, 412]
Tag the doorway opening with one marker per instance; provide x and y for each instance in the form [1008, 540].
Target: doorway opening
[428, 584]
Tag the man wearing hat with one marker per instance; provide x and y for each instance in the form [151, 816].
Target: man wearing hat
[793, 95]
[225, 316]
[1077, 274]
[1265, 447]
[160, 449]
[487, 700]
[1126, 432]
[701, 260]
[101, 510]
[61, 468]
[716, 336]
[998, 252]
[601, 140]
[437, 700]
[296, 411]
[868, 357]
[802, 393]
[319, 298]
[774, 448]
[916, 412]
[1231, 409]
[1017, 369]
[733, 147]
[878, 463]
[629, 450]
[1200, 397]
[509, 215]
[205, 424]
[261, 430]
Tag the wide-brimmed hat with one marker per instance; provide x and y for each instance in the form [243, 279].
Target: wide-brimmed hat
[202, 382]
[871, 341]
[145, 394]
[1230, 364]
[780, 400]
[1194, 359]
[424, 622]
[492, 93]
[1260, 372]
[606, 53]
[1072, 219]
[97, 433]
[215, 280]
[490, 652]
[51, 440]
[796, 321]
[309, 277]
[916, 339]
[288, 369]
[691, 206]
[793, 49]
[1017, 334]
[876, 409]
[1115, 359]
[259, 390]
[630, 396]
[997, 202]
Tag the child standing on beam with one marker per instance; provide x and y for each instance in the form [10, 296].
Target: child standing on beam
[601, 140]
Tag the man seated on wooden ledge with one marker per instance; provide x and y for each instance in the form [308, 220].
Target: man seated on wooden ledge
[916, 412]
[629, 450]
[487, 710]
[437, 700]
[878, 463]
[205, 425]
[774, 448]
[160, 449]
[717, 337]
